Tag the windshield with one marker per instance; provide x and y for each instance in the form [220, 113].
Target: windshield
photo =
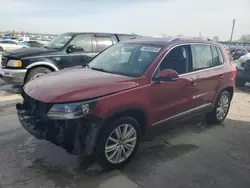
[58, 42]
[125, 59]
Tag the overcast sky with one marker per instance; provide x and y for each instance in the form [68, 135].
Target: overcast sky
[146, 17]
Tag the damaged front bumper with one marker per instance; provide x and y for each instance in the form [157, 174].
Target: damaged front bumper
[77, 136]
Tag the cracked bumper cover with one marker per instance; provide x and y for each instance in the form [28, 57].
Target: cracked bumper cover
[77, 136]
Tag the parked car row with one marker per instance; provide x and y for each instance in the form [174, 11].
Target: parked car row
[6, 45]
[32, 43]
[236, 53]
[104, 108]
[243, 70]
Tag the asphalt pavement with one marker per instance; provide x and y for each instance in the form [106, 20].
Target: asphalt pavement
[184, 155]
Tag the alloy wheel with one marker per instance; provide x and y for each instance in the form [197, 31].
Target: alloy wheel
[222, 107]
[120, 143]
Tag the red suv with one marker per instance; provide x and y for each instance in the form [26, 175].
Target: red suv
[106, 107]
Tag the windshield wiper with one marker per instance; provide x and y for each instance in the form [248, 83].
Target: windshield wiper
[86, 65]
[46, 47]
[98, 69]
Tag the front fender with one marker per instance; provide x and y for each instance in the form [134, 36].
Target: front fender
[43, 63]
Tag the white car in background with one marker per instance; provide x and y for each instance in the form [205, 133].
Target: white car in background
[6, 45]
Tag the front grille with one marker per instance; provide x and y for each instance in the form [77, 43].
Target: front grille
[4, 62]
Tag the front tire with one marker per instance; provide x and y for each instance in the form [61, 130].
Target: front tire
[118, 142]
[37, 72]
[221, 108]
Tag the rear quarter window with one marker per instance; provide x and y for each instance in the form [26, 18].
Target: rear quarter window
[221, 58]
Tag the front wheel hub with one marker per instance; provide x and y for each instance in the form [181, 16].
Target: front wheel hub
[120, 143]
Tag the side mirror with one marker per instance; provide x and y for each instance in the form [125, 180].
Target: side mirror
[166, 75]
[71, 49]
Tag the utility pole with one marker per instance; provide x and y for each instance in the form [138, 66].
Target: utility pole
[232, 31]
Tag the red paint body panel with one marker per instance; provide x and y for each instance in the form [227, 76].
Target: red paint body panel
[76, 84]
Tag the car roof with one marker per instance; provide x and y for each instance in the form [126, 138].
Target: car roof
[98, 33]
[8, 40]
[166, 41]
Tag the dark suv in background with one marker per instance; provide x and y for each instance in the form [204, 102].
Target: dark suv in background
[66, 50]
[243, 70]
[106, 107]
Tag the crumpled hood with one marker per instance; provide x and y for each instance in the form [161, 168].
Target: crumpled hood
[76, 84]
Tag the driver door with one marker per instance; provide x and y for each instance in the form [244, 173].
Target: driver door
[172, 98]
[83, 52]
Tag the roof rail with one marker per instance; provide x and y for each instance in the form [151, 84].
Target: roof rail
[174, 38]
[182, 37]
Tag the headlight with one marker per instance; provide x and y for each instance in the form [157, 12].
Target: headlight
[70, 110]
[14, 63]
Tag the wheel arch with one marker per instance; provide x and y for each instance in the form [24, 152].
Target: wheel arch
[229, 88]
[47, 65]
[136, 113]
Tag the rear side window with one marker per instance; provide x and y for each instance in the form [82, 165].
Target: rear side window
[202, 57]
[102, 42]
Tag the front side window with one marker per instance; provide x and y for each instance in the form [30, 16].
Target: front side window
[202, 56]
[102, 42]
[178, 59]
[83, 43]
[59, 42]
[125, 59]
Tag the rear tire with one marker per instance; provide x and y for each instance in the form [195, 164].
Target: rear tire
[221, 109]
[1, 49]
[109, 144]
[36, 72]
